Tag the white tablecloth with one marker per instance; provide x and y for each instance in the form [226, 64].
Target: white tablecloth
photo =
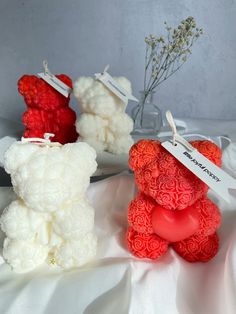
[119, 283]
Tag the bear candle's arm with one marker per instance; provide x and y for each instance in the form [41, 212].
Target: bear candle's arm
[140, 213]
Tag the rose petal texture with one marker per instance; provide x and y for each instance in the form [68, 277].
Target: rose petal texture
[47, 110]
[24, 256]
[41, 181]
[39, 94]
[161, 176]
[94, 97]
[76, 253]
[143, 152]
[198, 248]
[144, 245]
[111, 134]
[20, 222]
[17, 155]
[210, 150]
[210, 217]
[74, 221]
[120, 124]
[120, 145]
[140, 213]
[163, 182]
[103, 122]
[51, 215]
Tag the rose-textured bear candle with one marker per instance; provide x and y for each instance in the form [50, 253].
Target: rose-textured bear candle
[48, 110]
[103, 122]
[51, 218]
[171, 207]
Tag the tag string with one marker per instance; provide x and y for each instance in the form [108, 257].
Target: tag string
[41, 141]
[106, 68]
[46, 69]
[171, 122]
[176, 137]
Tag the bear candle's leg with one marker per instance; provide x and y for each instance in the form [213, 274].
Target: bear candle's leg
[24, 256]
[72, 254]
[146, 245]
[121, 144]
[197, 248]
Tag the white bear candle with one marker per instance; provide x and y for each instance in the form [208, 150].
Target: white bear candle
[51, 218]
[103, 122]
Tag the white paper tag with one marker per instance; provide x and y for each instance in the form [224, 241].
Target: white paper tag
[203, 168]
[52, 80]
[114, 87]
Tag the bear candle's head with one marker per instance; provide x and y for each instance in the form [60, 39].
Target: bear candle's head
[47, 177]
[95, 98]
[39, 94]
[161, 176]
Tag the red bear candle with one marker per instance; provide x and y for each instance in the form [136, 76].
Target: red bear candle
[171, 207]
[47, 110]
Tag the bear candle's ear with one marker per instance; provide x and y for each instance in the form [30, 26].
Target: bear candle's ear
[210, 150]
[28, 88]
[82, 155]
[26, 83]
[143, 152]
[124, 82]
[83, 85]
[17, 155]
[65, 79]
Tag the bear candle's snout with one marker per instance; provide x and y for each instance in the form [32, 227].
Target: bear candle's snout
[175, 225]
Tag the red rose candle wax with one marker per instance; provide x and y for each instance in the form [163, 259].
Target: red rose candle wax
[171, 207]
[48, 110]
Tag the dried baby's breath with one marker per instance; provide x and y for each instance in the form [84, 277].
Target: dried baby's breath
[166, 55]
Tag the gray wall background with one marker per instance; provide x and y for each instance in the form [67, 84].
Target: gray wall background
[79, 37]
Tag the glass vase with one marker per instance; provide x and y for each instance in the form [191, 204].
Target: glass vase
[146, 116]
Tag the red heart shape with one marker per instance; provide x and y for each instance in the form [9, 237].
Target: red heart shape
[175, 225]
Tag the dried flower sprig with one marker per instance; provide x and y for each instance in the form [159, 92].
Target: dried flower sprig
[165, 56]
